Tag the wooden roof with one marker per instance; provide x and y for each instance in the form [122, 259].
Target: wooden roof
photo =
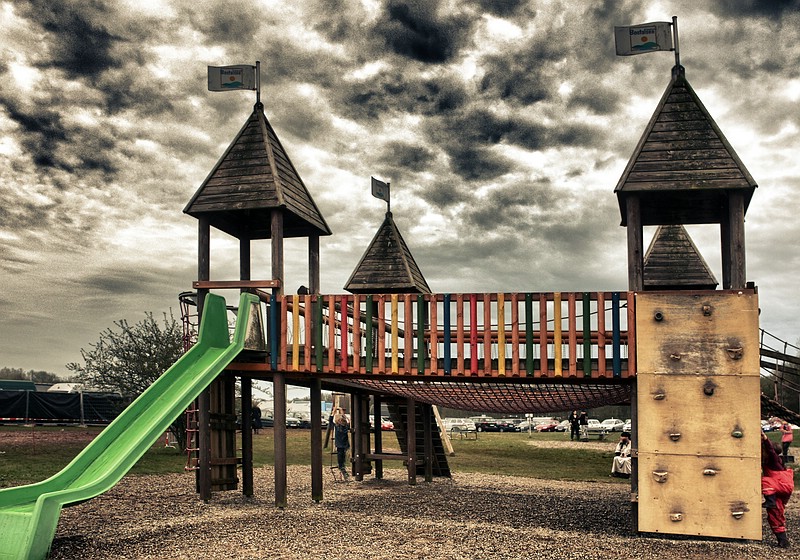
[387, 266]
[253, 177]
[672, 262]
[683, 167]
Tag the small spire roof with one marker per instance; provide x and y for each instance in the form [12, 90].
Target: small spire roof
[683, 168]
[387, 266]
[672, 262]
[253, 177]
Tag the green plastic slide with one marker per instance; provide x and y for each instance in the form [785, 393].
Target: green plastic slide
[29, 514]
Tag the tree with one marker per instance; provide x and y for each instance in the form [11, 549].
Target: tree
[130, 358]
[30, 375]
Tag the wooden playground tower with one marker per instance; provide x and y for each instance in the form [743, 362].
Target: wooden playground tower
[686, 356]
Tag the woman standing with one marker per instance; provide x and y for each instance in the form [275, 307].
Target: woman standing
[341, 439]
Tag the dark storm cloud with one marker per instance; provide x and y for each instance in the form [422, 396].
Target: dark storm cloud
[43, 131]
[405, 155]
[597, 99]
[772, 9]
[467, 136]
[395, 92]
[503, 8]
[414, 29]
[51, 143]
[228, 23]
[77, 44]
[511, 206]
[474, 163]
[442, 194]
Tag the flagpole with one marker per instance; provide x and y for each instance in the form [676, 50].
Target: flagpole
[388, 198]
[677, 45]
[258, 81]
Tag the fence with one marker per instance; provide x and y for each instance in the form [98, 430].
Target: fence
[29, 407]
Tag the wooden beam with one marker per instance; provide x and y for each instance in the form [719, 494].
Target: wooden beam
[635, 244]
[234, 284]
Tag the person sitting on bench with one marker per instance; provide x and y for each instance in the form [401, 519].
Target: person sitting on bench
[621, 467]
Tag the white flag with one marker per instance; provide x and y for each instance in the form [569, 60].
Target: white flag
[225, 78]
[380, 189]
[644, 38]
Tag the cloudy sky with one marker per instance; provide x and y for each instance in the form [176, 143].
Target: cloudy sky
[503, 127]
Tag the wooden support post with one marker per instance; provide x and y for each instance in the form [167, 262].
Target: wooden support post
[358, 430]
[635, 244]
[204, 446]
[247, 390]
[313, 264]
[411, 440]
[247, 436]
[376, 414]
[427, 441]
[725, 249]
[737, 252]
[278, 380]
[279, 432]
[276, 242]
[203, 478]
[316, 439]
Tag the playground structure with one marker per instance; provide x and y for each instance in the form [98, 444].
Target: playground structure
[684, 357]
[682, 353]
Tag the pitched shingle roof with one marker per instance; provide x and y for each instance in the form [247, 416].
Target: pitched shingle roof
[683, 167]
[253, 177]
[387, 266]
[672, 262]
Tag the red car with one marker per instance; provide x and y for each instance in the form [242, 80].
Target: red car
[387, 425]
[548, 426]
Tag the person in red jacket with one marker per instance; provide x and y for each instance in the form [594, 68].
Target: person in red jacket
[777, 485]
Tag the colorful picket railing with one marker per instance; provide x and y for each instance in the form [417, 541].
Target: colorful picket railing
[540, 335]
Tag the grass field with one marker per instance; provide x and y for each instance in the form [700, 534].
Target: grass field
[30, 454]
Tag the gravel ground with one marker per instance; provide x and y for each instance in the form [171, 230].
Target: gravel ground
[470, 516]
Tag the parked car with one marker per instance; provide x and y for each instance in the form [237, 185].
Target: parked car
[459, 425]
[627, 426]
[485, 424]
[594, 425]
[613, 424]
[386, 424]
[547, 426]
[509, 425]
[292, 422]
[563, 426]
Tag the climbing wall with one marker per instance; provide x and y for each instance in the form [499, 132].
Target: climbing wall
[698, 417]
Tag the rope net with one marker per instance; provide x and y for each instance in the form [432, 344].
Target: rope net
[503, 397]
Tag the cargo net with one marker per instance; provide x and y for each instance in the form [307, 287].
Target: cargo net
[504, 397]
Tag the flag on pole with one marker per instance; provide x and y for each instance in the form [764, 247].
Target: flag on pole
[225, 78]
[380, 189]
[644, 38]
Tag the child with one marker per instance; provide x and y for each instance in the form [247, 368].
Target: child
[777, 484]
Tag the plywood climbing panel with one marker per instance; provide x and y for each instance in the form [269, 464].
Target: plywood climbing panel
[698, 426]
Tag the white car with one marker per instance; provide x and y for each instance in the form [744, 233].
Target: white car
[613, 425]
[594, 425]
[458, 425]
